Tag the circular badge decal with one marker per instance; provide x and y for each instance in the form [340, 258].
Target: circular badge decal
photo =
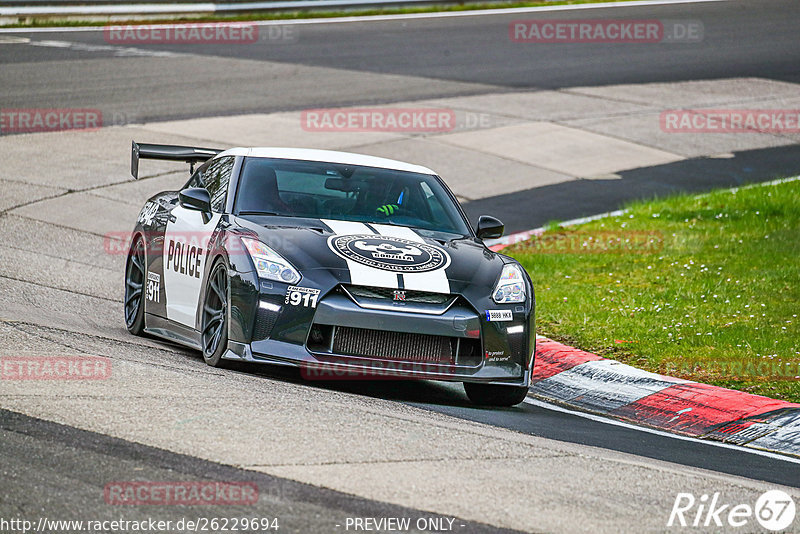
[389, 253]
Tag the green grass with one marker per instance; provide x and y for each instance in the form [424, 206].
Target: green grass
[723, 287]
[306, 14]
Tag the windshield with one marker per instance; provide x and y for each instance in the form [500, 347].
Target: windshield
[346, 192]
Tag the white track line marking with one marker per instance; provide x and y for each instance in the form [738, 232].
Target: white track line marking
[52, 44]
[608, 421]
[14, 40]
[752, 186]
[405, 16]
[119, 51]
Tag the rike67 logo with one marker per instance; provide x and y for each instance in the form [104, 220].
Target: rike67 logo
[773, 510]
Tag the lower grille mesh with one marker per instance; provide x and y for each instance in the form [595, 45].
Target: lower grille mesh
[265, 319]
[516, 343]
[392, 345]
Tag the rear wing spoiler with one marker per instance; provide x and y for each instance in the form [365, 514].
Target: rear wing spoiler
[187, 154]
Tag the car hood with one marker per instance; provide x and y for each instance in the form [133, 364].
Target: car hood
[355, 254]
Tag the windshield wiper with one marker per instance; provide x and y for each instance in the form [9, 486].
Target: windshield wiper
[259, 213]
[419, 228]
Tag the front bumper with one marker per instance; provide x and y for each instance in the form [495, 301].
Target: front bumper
[479, 350]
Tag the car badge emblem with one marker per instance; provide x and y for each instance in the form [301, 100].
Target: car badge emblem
[389, 253]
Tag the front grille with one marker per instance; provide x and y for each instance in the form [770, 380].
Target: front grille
[392, 345]
[421, 297]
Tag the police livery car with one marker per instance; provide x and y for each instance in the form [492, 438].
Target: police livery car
[347, 266]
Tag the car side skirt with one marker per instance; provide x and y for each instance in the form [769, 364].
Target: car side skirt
[172, 331]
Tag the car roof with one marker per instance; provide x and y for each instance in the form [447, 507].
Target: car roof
[326, 156]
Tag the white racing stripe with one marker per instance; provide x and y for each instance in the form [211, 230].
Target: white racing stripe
[431, 281]
[347, 227]
[361, 274]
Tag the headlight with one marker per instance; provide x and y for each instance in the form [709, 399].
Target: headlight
[269, 264]
[511, 286]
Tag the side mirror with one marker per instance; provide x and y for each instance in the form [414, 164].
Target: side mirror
[489, 227]
[195, 198]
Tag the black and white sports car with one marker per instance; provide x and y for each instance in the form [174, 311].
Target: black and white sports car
[347, 266]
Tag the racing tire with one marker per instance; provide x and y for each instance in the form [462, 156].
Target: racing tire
[133, 305]
[214, 323]
[494, 395]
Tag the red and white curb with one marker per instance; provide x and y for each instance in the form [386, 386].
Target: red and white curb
[584, 381]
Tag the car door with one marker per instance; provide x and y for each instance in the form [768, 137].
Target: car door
[186, 241]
